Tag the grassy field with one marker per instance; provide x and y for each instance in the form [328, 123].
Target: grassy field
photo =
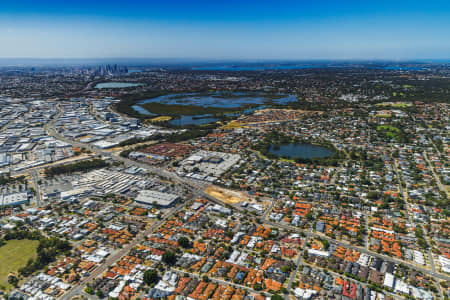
[161, 119]
[401, 104]
[233, 125]
[383, 116]
[14, 255]
[396, 104]
[388, 131]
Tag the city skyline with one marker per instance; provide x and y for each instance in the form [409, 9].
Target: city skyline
[224, 150]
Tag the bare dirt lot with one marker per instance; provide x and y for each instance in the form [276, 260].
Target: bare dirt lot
[227, 196]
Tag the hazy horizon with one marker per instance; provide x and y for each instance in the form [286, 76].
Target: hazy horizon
[195, 62]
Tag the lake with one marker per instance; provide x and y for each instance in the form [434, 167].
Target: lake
[221, 100]
[142, 110]
[182, 120]
[116, 85]
[235, 100]
[193, 120]
[304, 151]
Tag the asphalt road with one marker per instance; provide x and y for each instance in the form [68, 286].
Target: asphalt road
[363, 250]
[198, 191]
[35, 178]
[436, 177]
[220, 281]
[78, 289]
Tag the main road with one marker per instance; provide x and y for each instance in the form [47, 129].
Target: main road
[198, 191]
[76, 290]
[363, 250]
[189, 184]
[436, 177]
[34, 176]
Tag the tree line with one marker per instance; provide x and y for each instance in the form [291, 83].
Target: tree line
[6, 179]
[82, 166]
[47, 250]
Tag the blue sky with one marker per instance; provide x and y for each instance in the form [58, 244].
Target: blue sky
[216, 29]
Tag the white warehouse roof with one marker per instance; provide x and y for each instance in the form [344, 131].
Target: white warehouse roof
[155, 197]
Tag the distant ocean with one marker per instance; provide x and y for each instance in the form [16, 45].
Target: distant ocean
[396, 67]
[257, 68]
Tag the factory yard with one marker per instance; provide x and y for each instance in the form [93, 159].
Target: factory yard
[207, 165]
[128, 209]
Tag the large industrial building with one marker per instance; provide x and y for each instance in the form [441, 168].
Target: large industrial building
[14, 199]
[156, 198]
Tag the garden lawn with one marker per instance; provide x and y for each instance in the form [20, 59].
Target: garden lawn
[15, 255]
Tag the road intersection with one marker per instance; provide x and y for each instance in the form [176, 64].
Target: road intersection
[198, 191]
